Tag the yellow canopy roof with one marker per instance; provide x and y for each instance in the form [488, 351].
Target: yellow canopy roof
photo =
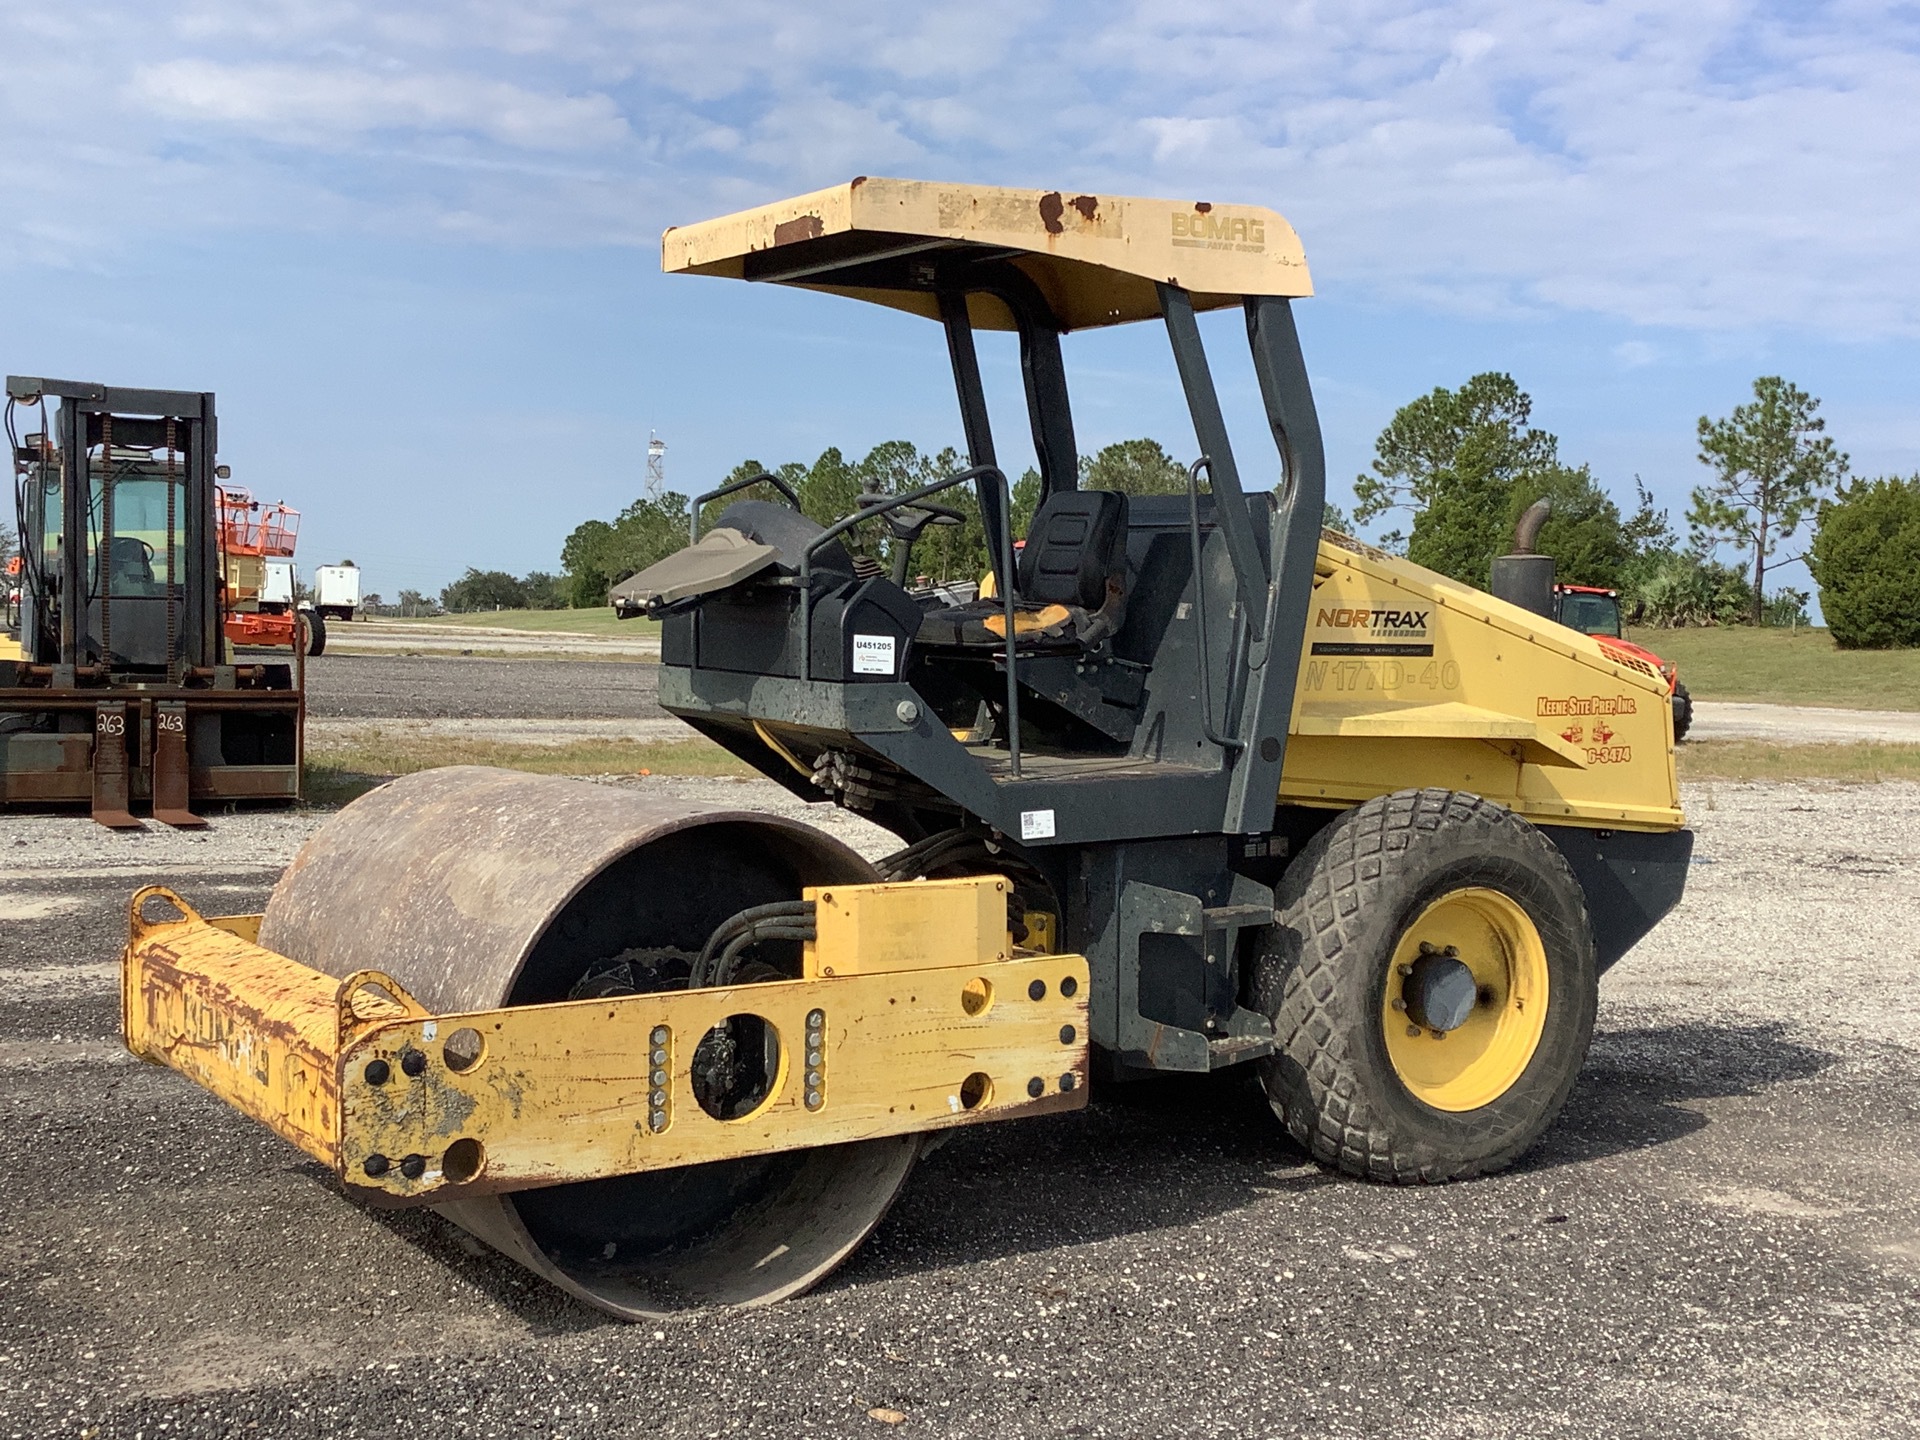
[1095, 258]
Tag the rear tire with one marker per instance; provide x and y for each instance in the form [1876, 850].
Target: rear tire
[1351, 1072]
[1682, 711]
[314, 630]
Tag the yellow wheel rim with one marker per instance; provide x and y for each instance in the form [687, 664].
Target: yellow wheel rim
[1479, 1060]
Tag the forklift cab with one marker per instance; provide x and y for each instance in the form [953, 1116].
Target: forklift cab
[133, 561]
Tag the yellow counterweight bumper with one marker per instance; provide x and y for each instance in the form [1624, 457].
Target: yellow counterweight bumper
[914, 1013]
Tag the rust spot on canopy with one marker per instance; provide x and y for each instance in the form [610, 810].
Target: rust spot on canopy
[802, 227]
[1095, 256]
[1203, 206]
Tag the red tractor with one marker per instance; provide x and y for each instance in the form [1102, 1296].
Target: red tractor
[1594, 610]
[1524, 577]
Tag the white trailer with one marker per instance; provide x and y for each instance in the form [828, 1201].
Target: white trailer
[336, 591]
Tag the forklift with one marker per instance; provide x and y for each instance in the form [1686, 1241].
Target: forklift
[118, 689]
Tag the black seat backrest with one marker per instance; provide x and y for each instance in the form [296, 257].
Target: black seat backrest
[790, 532]
[1078, 538]
[127, 560]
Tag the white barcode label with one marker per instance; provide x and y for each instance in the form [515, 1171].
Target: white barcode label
[873, 654]
[1036, 824]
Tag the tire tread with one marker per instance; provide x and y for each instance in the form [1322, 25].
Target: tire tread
[1318, 1097]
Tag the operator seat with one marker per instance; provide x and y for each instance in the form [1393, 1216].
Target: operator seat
[1070, 581]
[130, 566]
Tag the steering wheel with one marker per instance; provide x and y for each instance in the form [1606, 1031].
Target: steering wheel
[906, 524]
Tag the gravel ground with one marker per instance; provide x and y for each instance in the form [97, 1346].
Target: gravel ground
[509, 732]
[1719, 1238]
[422, 638]
[1800, 724]
[386, 687]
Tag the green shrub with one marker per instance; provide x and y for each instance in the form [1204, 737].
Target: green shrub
[1675, 588]
[1866, 558]
[1786, 608]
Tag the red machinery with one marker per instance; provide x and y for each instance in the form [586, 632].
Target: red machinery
[1595, 610]
[256, 571]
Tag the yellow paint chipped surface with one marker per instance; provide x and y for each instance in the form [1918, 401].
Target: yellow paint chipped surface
[1096, 258]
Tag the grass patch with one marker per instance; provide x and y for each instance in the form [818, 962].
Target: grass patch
[336, 774]
[1786, 667]
[598, 621]
[1862, 762]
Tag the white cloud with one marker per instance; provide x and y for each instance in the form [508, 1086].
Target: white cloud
[1718, 166]
[294, 102]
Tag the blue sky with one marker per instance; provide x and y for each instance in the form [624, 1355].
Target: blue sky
[415, 249]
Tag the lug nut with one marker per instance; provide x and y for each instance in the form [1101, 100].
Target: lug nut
[414, 1062]
[1399, 1004]
[1412, 1030]
[1405, 971]
[377, 1073]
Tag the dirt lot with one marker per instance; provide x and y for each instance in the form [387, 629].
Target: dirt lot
[1720, 1238]
[426, 637]
[384, 687]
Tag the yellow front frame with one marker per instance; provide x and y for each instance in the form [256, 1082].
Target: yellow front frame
[362, 1077]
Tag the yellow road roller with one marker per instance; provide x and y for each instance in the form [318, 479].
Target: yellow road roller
[1194, 785]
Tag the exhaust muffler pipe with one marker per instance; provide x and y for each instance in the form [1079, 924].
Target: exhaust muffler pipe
[1521, 577]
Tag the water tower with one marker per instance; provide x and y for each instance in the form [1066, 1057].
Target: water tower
[656, 465]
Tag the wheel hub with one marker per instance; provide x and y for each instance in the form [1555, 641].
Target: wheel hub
[1465, 1003]
[1440, 990]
